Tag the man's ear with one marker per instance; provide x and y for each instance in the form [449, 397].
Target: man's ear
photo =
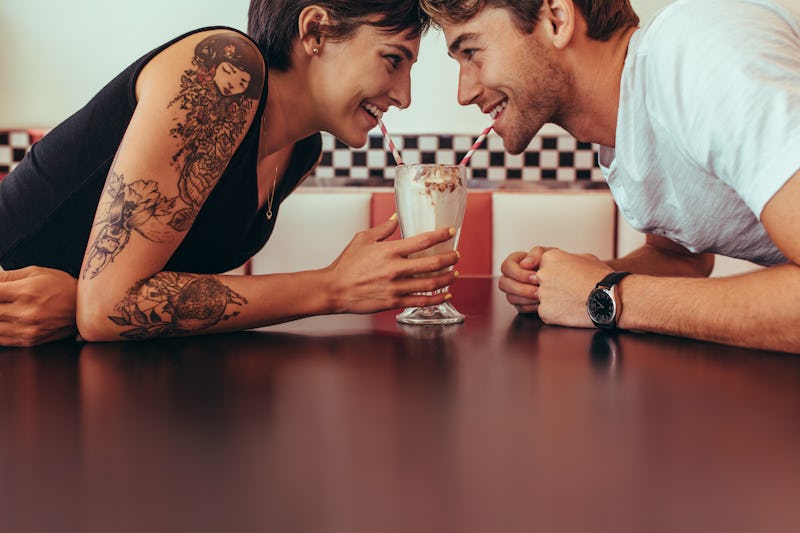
[559, 16]
[310, 23]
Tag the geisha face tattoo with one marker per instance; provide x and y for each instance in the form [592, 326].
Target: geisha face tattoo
[216, 97]
[230, 80]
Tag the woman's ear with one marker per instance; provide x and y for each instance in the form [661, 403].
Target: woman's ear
[311, 22]
[560, 19]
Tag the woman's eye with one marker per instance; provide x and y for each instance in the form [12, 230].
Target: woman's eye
[395, 60]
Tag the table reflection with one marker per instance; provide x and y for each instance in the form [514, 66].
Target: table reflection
[500, 424]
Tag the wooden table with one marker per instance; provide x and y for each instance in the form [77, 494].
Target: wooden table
[354, 424]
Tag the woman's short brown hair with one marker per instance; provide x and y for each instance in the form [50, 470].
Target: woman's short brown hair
[272, 24]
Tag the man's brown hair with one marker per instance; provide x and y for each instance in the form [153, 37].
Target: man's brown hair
[603, 17]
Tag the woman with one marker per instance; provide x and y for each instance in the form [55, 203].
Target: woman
[173, 173]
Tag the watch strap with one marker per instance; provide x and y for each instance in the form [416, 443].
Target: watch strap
[611, 279]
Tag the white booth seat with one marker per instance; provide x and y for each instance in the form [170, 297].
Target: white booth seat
[628, 239]
[312, 229]
[315, 224]
[579, 221]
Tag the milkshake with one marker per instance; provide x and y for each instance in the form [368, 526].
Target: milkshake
[430, 197]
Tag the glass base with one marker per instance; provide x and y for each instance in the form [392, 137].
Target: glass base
[441, 314]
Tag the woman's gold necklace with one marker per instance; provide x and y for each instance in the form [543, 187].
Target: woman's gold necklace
[271, 195]
[262, 153]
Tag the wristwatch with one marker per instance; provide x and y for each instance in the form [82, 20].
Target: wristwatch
[602, 305]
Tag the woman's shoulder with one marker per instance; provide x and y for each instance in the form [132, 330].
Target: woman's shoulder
[217, 36]
[222, 55]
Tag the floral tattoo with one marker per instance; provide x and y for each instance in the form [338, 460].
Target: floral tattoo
[171, 303]
[132, 206]
[217, 95]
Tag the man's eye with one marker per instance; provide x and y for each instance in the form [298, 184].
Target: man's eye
[468, 53]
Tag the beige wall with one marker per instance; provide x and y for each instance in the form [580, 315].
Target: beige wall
[55, 54]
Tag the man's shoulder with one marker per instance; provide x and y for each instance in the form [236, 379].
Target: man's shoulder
[690, 35]
[701, 21]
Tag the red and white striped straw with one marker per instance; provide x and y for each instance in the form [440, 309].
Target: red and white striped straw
[392, 147]
[476, 144]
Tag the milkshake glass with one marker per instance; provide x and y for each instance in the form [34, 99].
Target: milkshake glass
[429, 197]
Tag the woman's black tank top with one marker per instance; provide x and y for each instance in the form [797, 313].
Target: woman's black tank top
[48, 203]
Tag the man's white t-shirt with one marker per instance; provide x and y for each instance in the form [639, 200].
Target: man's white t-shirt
[708, 128]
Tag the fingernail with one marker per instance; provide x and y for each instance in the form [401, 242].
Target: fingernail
[447, 296]
[533, 279]
[458, 254]
[393, 217]
[452, 232]
[527, 261]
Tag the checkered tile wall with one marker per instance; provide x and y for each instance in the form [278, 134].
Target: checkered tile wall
[13, 147]
[553, 157]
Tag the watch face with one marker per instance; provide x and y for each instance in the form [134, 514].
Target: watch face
[601, 307]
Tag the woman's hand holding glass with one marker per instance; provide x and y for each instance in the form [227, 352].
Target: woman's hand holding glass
[374, 274]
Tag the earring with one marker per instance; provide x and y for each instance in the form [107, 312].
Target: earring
[316, 51]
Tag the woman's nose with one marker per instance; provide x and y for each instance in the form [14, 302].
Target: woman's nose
[401, 93]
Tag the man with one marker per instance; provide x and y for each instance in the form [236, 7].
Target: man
[698, 118]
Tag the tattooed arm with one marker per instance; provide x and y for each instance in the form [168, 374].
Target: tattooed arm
[370, 275]
[196, 100]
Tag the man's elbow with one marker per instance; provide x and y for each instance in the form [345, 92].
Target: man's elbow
[704, 265]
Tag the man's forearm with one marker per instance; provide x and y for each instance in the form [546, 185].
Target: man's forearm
[760, 309]
[656, 261]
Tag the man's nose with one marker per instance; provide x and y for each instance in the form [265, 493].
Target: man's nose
[468, 88]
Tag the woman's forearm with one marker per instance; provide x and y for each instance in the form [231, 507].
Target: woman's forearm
[172, 304]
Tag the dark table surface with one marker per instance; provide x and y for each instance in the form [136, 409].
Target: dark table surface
[354, 424]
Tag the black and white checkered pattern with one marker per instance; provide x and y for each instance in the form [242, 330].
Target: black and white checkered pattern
[548, 157]
[13, 147]
[558, 157]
